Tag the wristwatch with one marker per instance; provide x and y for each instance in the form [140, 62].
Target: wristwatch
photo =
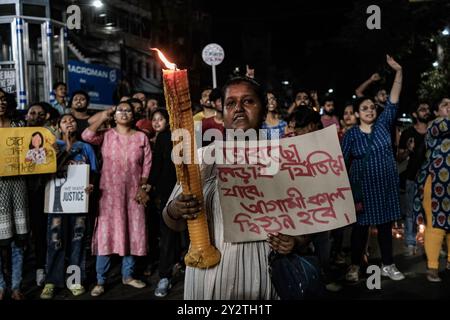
[146, 187]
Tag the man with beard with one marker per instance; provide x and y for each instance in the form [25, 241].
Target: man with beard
[208, 110]
[328, 118]
[36, 116]
[78, 105]
[412, 148]
[301, 100]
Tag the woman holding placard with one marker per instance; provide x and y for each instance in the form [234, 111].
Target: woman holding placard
[14, 220]
[67, 232]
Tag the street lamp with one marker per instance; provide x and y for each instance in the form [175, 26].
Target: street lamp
[435, 64]
[445, 32]
[97, 4]
[330, 90]
[354, 96]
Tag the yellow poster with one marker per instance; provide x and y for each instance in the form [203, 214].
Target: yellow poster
[26, 151]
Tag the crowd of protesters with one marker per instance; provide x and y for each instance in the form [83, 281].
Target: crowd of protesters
[136, 209]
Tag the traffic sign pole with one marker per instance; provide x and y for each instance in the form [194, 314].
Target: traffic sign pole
[214, 76]
[213, 55]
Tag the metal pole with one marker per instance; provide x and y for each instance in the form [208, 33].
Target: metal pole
[214, 76]
[18, 56]
[47, 48]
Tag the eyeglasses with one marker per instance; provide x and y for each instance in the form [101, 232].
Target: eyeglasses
[124, 111]
[366, 108]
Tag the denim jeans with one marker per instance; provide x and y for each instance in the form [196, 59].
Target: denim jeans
[65, 236]
[104, 263]
[17, 267]
[410, 225]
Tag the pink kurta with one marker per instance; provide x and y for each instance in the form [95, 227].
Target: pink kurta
[120, 227]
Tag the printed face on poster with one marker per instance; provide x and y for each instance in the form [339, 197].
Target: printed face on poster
[26, 151]
[310, 191]
[67, 194]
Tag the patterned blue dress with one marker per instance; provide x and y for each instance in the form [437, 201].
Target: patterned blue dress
[437, 164]
[274, 130]
[378, 177]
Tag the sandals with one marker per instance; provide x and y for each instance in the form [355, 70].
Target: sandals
[138, 284]
[98, 290]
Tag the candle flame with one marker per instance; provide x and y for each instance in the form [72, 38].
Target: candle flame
[167, 63]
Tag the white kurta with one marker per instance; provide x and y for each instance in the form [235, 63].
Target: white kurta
[243, 270]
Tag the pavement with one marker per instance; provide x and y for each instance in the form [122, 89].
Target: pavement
[415, 286]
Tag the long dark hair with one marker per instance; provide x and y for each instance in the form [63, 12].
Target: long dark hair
[62, 117]
[164, 113]
[37, 133]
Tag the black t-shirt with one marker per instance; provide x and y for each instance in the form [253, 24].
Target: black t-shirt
[417, 157]
[81, 125]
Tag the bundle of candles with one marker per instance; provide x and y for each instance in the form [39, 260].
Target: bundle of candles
[202, 254]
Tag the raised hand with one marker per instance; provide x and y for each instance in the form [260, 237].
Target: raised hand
[393, 64]
[375, 77]
[250, 72]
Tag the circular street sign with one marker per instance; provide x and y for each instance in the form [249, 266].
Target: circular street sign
[213, 54]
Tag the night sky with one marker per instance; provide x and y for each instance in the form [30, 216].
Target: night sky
[319, 44]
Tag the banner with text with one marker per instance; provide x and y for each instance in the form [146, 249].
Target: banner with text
[309, 193]
[97, 80]
[26, 151]
[67, 194]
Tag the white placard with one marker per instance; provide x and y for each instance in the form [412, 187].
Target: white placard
[307, 192]
[67, 194]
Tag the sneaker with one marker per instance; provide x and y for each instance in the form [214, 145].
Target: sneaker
[77, 289]
[40, 277]
[410, 251]
[433, 275]
[48, 292]
[163, 288]
[98, 290]
[352, 274]
[138, 284]
[392, 272]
